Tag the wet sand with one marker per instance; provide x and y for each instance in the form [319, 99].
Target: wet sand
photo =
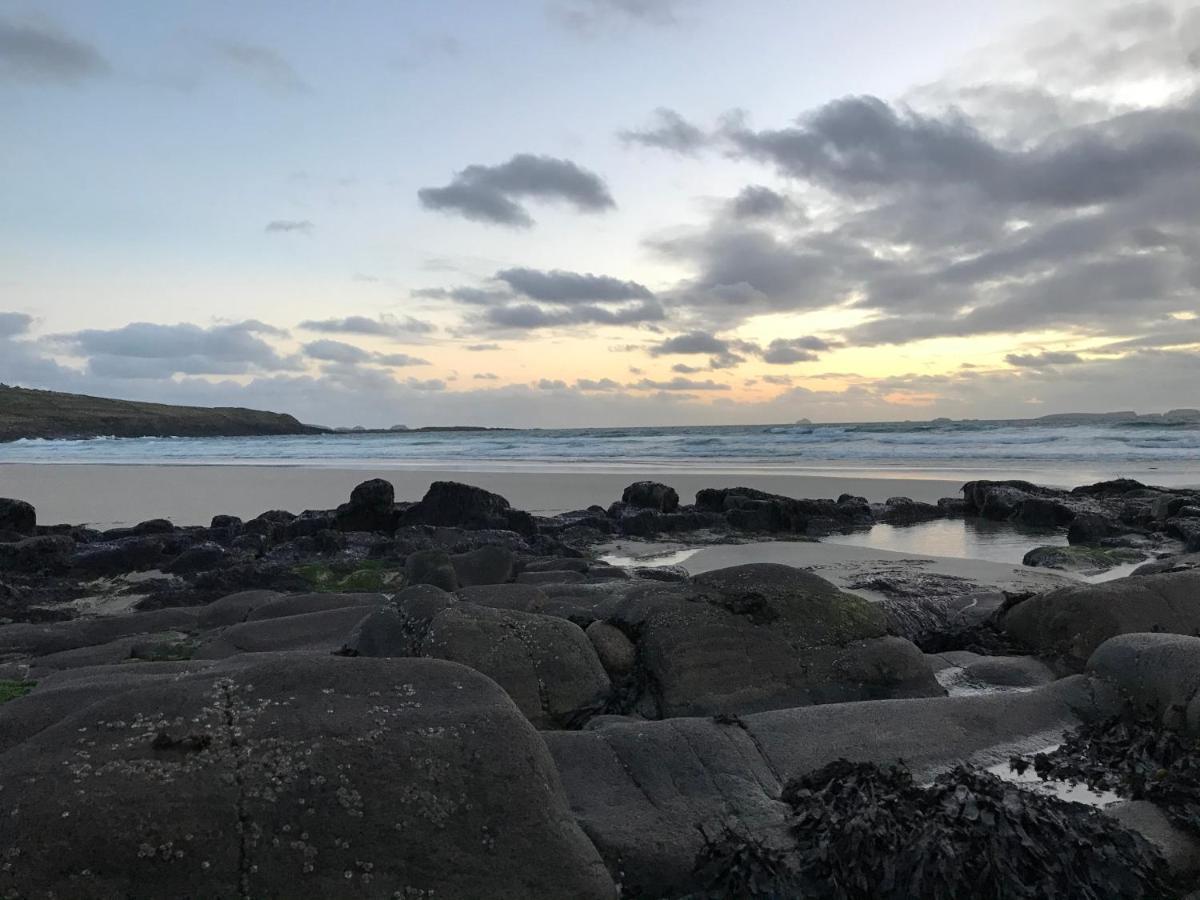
[106, 495]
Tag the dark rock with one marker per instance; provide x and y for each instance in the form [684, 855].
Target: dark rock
[1043, 512]
[1068, 624]
[617, 653]
[523, 597]
[371, 508]
[233, 608]
[651, 495]
[466, 506]
[557, 564]
[197, 559]
[39, 640]
[1085, 560]
[952, 507]
[547, 665]
[49, 554]
[1177, 563]
[1000, 500]
[491, 564]
[905, 511]
[1091, 528]
[1116, 486]
[18, 516]
[154, 526]
[298, 776]
[401, 627]
[552, 576]
[1187, 530]
[323, 631]
[130, 554]
[1159, 674]
[431, 567]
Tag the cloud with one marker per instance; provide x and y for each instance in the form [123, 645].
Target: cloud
[13, 324]
[384, 326]
[679, 384]
[547, 384]
[429, 384]
[759, 202]
[668, 131]
[262, 65]
[588, 15]
[777, 379]
[485, 376]
[685, 369]
[336, 351]
[692, 342]
[558, 286]
[785, 351]
[528, 316]
[481, 348]
[147, 350]
[398, 359]
[37, 52]
[603, 384]
[284, 226]
[727, 353]
[1042, 360]
[492, 193]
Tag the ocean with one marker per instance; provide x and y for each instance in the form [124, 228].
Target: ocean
[1053, 454]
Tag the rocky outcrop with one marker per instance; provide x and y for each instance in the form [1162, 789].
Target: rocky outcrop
[651, 495]
[372, 507]
[1158, 674]
[17, 516]
[296, 776]
[1068, 624]
[465, 506]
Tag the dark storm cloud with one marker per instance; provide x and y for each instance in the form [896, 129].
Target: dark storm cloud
[492, 193]
[34, 52]
[12, 324]
[262, 65]
[384, 326]
[668, 131]
[558, 286]
[285, 226]
[862, 145]
[1042, 360]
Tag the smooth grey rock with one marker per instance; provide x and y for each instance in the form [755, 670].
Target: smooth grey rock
[1180, 849]
[313, 631]
[1009, 671]
[302, 604]
[26, 639]
[617, 653]
[523, 597]
[234, 608]
[431, 567]
[1158, 673]
[490, 564]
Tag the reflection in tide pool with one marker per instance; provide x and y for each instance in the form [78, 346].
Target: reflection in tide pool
[957, 538]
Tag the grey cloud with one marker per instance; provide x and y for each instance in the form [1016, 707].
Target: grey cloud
[726, 354]
[485, 376]
[492, 193]
[283, 226]
[685, 369]
[679, 384]
[759, 202]
[35, 52]
[668, 131]
[603, 384]
[429, 384]
[783, 351]
[384, 326]
[12, 324]
[691, 342]
[1042, 360]
[777, 379]
[530, 316]
[548, 384]
[336, 351]
[398, 359]
[588, 15]
[482, 348]
[186, 348]
[263, 65]
[557, 286]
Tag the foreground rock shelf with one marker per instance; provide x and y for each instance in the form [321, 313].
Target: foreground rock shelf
[453, 698]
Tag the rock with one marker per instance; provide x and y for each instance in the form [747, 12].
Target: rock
[204, 556]
[154, 526]
[1085, 560]
[952, 507]
[557, 564]
[465, 506]
[523, 597]
[303, 604]
[1178, 563]
[1187, 530]
[767, 636]
[753, 510]
[1008, 671]
[552, 576]
[491, 564]
[999, 500]
[265, 781]
[26, 639]
[617, 653]
[17, 516]
[234, 608]
[1091, 528]
[371, 508]
[905, 511]
[130, 554]
[1180, 849]
[106, 654]
[1068, 624]
[651, 495]
[1043, 512]
[49, 554]
[401, 627]
[431, 567]
[652, 794]
[319, 631]
[1157, 673]
[547, 665]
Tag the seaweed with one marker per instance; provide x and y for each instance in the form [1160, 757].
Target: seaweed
[11, 690]
[866, 832]
[1135, 757]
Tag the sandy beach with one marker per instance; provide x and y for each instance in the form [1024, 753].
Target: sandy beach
[108, 495]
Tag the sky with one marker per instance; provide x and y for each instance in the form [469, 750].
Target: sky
[603, 212]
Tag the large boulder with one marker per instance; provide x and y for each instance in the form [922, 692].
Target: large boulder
[1067, 624]
[490, 564]
[17, 516]
[547, 665]
[767, 636]
[47, 554]
[1002, 499]
[294, 777]
[466, 506]
[127, 554]
[323, 631]
[432, 567]
[651, 495]
[1156, 673]
[371, 508]
[749, 509]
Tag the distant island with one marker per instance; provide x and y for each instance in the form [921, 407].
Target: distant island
[27, 413]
